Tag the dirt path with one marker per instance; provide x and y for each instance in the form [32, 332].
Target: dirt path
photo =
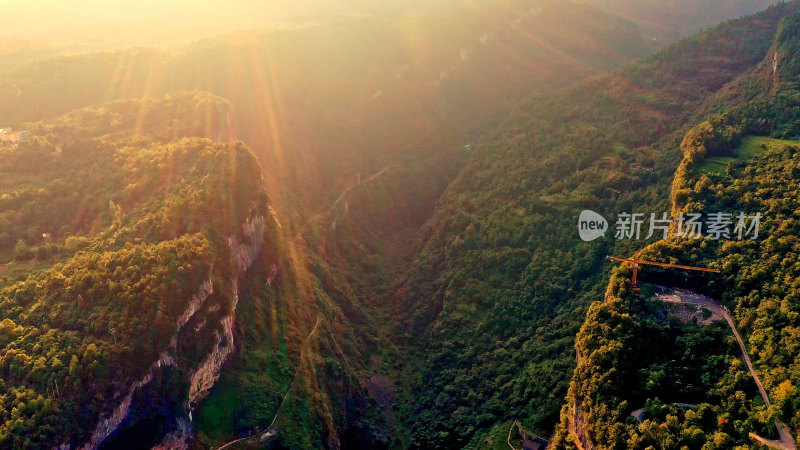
[786, 441]
[509, 435]
[341, 197]
[746, 357]
[269, 432]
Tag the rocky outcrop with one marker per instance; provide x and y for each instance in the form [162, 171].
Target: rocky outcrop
[203, 378]
[106, 426]
[177, 439]
[206, 375]
[110, 423]
[576, 426]
[243, 254]
[205, 290]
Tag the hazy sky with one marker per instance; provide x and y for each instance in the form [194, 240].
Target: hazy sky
[150, 20]
[51, 18]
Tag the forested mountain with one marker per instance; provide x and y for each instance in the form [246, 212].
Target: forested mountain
[351, 94]
[398, 110]
[497, 293]
[122, 277]
[99, 190]
[317, 235]
[620, 367]
[137, 243]
[32, 30]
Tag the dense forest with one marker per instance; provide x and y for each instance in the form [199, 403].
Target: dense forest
[108, 220]
[400, 109]
[497, 294]
[671, 20]
[619, 366]
[353, 254]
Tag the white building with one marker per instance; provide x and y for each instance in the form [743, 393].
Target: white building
[8, 135]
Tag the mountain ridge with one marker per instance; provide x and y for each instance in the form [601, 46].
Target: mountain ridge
[478, 247]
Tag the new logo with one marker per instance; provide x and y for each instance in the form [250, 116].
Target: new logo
[591, 225]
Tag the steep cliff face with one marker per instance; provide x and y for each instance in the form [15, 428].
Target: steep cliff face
[205, 376]
[202, 377]
[577, 427]
[243, 254]
[300, 352]
[109, 425]
[131, 304]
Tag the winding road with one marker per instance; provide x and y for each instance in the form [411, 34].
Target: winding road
[786, 441]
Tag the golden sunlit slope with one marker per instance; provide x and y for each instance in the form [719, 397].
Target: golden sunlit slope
[144, 252]
[329, 100]
[128, 229]
[332, 109]
[754, 128]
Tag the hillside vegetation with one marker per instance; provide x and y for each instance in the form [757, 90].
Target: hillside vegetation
[668, 21]
[108, 220]
[171, 285]
[617, 371]
[324, 108]
[499, 289]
